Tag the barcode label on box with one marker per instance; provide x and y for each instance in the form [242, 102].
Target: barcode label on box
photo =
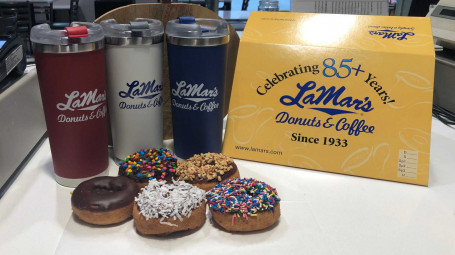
[13, 59]
[407, 164]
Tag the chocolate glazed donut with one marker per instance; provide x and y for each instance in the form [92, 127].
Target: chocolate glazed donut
[104, 200]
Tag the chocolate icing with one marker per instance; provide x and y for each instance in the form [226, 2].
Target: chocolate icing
[104, 193]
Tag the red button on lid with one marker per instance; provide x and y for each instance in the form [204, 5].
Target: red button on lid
[77, 32]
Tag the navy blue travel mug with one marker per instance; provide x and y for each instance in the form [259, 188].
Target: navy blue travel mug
[197, 55]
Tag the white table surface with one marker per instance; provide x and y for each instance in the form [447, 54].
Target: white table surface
[322, 213]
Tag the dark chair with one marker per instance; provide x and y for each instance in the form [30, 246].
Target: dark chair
[42, 13]
[245, 4]
[103, 6]
[74, 10]
[23, 12]
[73, 15]
[226, 6]
[8, 25]
[198, 2]
[420, 8]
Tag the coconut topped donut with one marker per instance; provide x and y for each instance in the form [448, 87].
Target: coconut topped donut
[254, 202]
[206, 170]
[150, 164]
[175, 201]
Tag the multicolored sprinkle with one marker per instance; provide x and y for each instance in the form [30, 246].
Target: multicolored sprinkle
[151, 164]
[242, 197]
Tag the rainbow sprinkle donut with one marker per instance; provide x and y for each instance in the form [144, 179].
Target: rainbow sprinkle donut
[149, 164]
[244, 204]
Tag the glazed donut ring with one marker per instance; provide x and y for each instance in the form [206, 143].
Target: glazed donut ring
[244, 204]
[104, 200]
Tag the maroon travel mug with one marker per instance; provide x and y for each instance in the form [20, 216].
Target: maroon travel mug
[71, 74]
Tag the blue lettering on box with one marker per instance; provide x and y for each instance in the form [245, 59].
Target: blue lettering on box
[391, 34]
[309, 94]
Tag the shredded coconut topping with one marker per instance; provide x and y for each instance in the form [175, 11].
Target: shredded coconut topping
[207, 166]
[176, 200]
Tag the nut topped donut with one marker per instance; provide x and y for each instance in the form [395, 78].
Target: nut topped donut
[150, 164]
[162, 208]
[207, 170]
[244, 204]
[104, 200]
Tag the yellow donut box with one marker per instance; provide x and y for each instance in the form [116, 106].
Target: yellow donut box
[346, 94]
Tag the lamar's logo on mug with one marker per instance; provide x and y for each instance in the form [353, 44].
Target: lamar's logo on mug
[144, 90]
[194, 92]
[150, 91]
[197, 94]
[85, 101]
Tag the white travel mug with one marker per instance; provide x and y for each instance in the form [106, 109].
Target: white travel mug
[134, 69]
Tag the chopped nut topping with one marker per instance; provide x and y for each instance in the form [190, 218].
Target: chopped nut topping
[208, 166]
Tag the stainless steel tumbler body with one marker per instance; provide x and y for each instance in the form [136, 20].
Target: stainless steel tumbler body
[71, 72]
[134, 57]
[197, 52]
